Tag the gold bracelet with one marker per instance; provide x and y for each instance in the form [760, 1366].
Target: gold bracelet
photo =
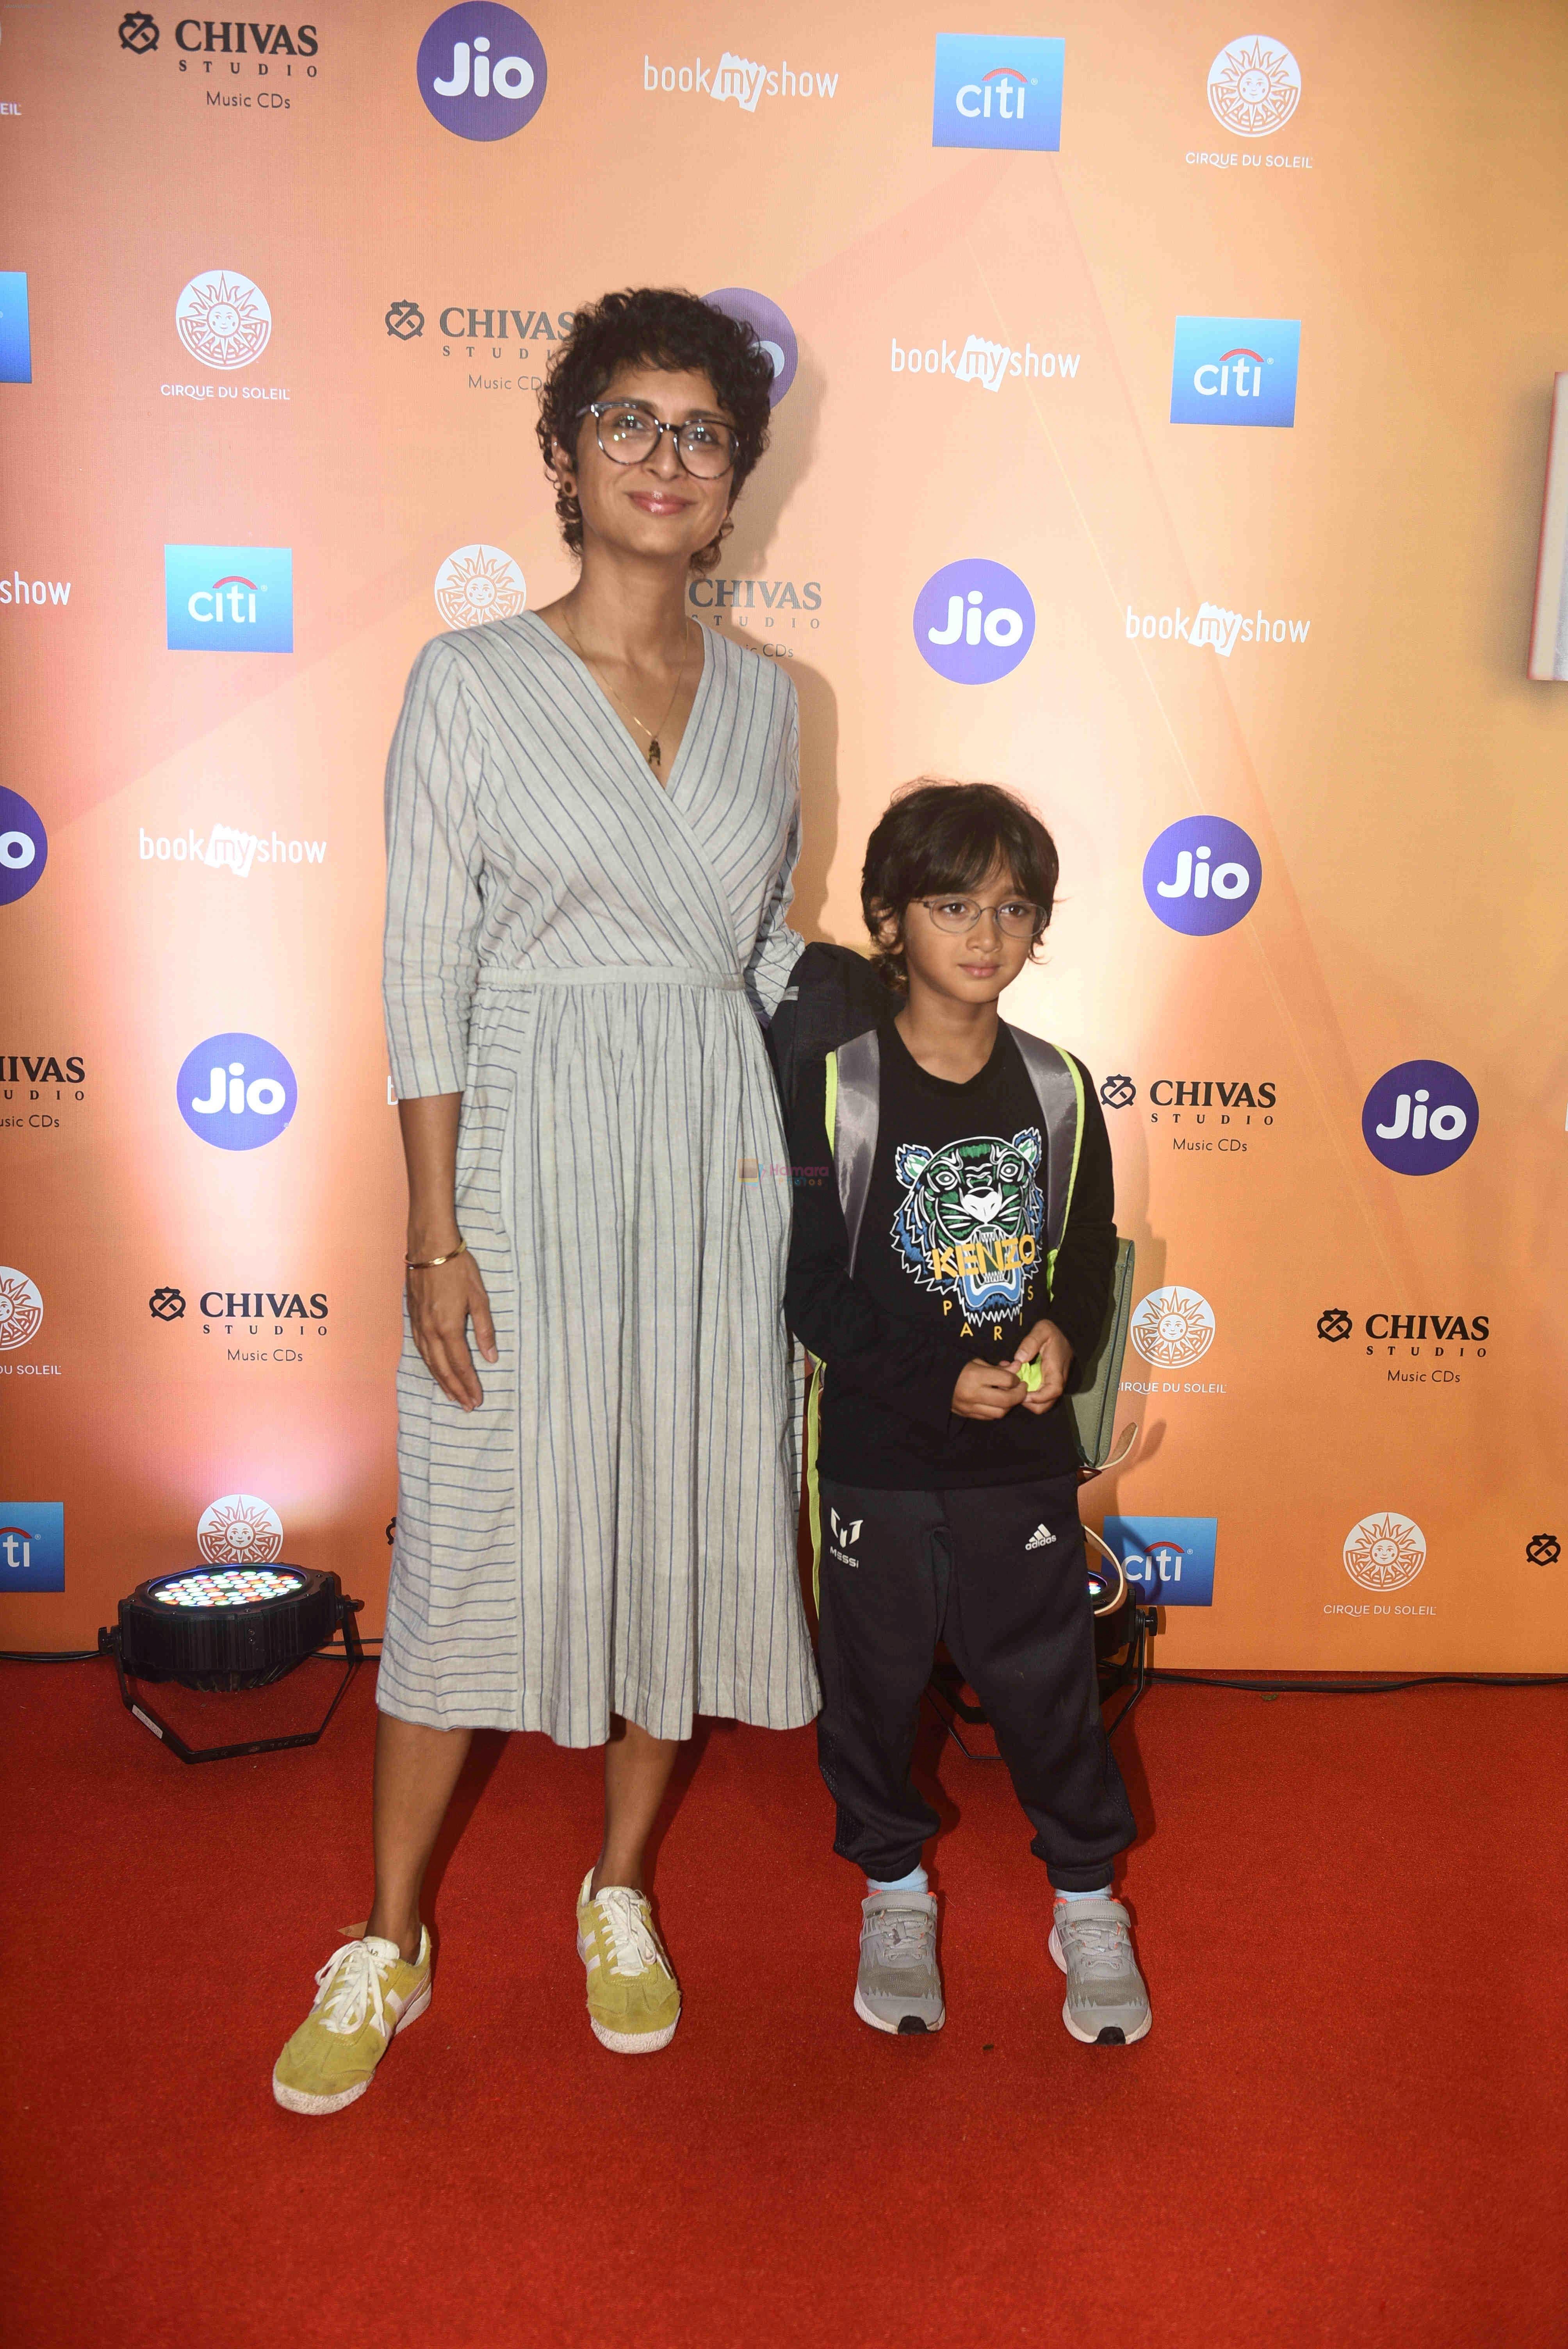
[430, 1262]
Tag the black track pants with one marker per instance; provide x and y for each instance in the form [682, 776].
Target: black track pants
[999, 1574]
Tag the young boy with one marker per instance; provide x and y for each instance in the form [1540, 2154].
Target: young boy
[960, 1232]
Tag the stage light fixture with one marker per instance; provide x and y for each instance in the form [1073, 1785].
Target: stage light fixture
[228, 1628]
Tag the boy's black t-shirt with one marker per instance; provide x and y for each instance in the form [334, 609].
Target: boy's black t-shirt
[954, 1163]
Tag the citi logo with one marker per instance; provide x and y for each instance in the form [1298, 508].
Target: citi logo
[1203, 876]
[227, 849]
[481, 71]
[236, 1092]
[1170, 1559]
[1213, 624]
[973, 621]
[1421, 1117]
[15, 331]
[33, 1545]
[17, 590]
[989, 365]
[993, 91]
[229, 598]
[1235, 370]
[740, 78]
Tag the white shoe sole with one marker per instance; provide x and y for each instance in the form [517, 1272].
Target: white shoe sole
[296, 2100]
[880, 2022]
[1094, 2038]
[633, 2043]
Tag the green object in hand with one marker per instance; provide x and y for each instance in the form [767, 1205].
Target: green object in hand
[1030, 1373]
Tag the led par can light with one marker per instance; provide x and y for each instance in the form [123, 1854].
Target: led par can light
[228, 1628]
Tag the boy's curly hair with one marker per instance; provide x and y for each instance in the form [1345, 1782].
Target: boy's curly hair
[940, 835]
[659, 326]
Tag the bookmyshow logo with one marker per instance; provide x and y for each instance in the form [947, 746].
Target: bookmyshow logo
[1213, 624]
[738, 77]
[226, 848]
[17, 590]
[978, 360]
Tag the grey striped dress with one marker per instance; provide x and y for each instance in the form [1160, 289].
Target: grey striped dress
[584, 955]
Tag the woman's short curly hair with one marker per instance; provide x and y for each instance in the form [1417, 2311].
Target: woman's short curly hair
[659, 326]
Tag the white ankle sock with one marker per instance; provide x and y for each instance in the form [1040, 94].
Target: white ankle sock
[1105, 1893]
[916, 1881]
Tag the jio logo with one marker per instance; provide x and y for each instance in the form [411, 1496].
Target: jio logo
[236, 1092]
[23, 847]
[1419, 1117]
[973, 621]
[772, 328]
[481, 70]
[1203, 874]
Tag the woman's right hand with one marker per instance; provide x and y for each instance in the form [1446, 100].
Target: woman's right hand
[442, 1300]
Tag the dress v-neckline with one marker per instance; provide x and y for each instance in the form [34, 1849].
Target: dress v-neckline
[664, 785]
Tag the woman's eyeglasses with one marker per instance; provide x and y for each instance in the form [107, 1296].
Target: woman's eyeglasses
[628, 433]
[1016, 918]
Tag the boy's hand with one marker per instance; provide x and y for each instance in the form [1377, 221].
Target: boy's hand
[986, 1390]
[1046, 1346]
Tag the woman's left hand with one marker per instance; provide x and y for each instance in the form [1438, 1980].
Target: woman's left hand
[1045, 1345]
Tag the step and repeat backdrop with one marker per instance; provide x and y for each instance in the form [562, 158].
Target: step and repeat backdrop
[1159, 429]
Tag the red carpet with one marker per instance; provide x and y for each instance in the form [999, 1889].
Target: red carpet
[1345, 2127]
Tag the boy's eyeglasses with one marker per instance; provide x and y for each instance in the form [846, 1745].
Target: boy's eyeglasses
[1018, 919]
[628, 433]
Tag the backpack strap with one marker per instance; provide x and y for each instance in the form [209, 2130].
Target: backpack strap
[853, 1080]
[1059, 1088]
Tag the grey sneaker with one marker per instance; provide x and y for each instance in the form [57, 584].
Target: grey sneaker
[899, 1987]
[1108, 1998]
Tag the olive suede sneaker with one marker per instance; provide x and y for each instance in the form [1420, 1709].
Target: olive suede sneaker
[1108, 1998]
[368, 1992]
[633, 1999]
[899, 1987]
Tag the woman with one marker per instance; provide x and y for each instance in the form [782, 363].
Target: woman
[592, 816]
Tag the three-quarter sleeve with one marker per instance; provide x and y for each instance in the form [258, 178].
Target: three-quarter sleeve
[778, 947]
[434, 864]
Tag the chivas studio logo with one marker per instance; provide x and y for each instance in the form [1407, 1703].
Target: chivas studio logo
[238, 1529]
[209, 47]
[222, 319]
[1223, 1102]
[481, 70]
[1254, 87]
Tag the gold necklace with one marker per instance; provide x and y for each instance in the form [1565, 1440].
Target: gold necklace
[656, 749]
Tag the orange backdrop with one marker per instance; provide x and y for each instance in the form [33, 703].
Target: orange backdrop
[1397, 777]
